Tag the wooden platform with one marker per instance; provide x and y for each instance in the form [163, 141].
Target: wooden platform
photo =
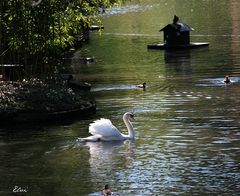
[187, 46]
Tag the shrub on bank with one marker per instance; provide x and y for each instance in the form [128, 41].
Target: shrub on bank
[36, 95]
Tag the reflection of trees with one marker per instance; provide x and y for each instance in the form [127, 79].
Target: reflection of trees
[65, 171]
[235, 17]
[31, 162]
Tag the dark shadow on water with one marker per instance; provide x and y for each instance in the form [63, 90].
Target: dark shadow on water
[27, 132]
[178, 61]
[18, 126]
[177, 56]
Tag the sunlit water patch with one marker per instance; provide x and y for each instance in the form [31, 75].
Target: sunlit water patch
[107, 87]
[218, 82]
[129, 9]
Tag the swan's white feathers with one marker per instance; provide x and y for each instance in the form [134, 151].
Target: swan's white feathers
[105, 129]
[92, 138]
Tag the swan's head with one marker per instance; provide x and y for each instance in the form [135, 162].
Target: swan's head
[129, 115]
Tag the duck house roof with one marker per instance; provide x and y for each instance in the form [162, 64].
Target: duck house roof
[182, 27]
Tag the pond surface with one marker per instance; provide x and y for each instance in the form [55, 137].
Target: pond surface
[187, 120]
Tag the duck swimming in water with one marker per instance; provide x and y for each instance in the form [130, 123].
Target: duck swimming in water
[106, 190]
[143, 86]
[227, 80]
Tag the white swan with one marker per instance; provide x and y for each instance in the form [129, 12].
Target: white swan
[104, 130]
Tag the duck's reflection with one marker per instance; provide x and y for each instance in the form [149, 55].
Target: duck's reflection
[107, 157]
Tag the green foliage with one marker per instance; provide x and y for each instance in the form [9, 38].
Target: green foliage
[43, 28]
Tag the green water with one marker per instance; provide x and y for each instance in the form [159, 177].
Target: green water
[187, 121]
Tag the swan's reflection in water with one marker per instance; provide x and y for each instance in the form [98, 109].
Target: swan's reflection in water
[107, 157]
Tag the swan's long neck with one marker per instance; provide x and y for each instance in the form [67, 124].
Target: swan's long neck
[131, 133]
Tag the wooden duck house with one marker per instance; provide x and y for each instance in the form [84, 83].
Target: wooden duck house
[176, 35]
